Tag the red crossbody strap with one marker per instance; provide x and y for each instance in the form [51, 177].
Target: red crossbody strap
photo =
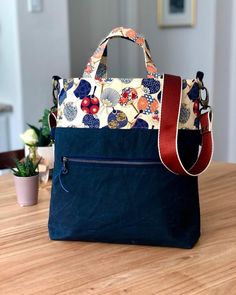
[168, 131]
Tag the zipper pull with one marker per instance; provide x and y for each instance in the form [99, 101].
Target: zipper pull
[64, 165]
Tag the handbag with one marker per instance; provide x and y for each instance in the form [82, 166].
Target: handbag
[128, 153]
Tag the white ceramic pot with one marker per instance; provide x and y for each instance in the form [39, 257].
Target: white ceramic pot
[46, 152]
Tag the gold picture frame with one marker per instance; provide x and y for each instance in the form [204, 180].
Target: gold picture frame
[176, 13]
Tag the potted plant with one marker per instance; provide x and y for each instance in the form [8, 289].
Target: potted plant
[30, 138]
[26, 177]
[40, 137]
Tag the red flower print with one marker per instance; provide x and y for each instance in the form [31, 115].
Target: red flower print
[140, 41]
[127, 96]
[123, 100]
[88, 69]
[90, 104]
[151, 69]
[142, 103]
[131, 34]
[148, 104]
[154, 106]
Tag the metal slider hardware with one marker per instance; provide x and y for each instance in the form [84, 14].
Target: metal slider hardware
[64, 167]
[206, 109]
[204, 102]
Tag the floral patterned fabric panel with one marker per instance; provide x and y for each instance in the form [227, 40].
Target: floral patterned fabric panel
[121, 103]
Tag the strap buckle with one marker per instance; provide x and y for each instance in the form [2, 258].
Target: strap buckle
[206, 109]
[204, 102]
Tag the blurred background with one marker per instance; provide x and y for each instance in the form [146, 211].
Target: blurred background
[62, 35]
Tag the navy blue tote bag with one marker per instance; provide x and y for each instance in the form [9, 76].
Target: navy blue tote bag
[127, 155]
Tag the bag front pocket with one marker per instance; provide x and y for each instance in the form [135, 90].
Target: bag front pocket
[121, 200]
[101, 187]
[81, 175]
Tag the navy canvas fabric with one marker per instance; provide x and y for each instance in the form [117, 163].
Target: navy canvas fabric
[123, 203]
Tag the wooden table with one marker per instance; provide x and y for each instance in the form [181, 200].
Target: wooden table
[32, 264]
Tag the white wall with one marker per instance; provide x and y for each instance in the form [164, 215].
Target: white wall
[224, 82]
[44, 52]
[33, 48]
[10, 79]
[89, 21]
[232, 101]
[182, 51]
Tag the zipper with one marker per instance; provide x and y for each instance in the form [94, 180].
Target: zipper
[65, 160]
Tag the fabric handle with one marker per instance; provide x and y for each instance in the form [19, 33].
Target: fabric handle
[168, 131]
[98, 59]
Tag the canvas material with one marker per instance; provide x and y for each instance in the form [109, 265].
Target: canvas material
[113, 118]
[96, 101]
[118, 103]
[123, 204]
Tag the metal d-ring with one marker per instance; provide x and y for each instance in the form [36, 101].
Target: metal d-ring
[204, 102]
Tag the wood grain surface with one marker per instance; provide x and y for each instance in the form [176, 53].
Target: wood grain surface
[32, 264]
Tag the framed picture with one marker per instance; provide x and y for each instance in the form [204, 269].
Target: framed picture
[176, 13]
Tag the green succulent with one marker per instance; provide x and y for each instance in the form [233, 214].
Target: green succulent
[25, 168]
